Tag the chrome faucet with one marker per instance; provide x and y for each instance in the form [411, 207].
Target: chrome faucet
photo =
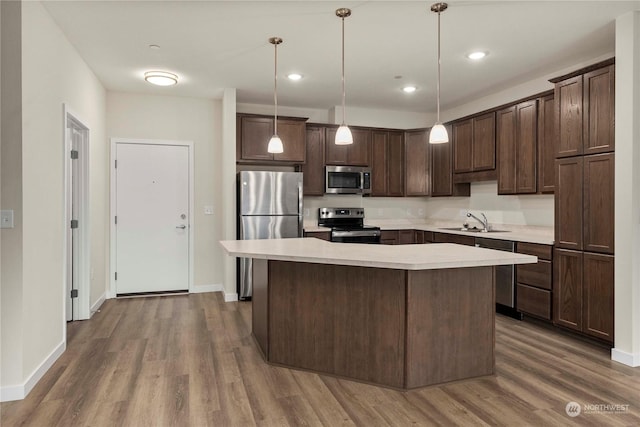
[485, 223]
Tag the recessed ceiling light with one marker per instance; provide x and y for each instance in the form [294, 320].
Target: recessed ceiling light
[294, 76]
[161, 78]
[477, 55]
[409, 89]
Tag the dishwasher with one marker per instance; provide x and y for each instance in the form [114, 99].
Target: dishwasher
[505, 277]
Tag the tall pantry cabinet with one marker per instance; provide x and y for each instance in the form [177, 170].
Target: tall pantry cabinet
[584, 202]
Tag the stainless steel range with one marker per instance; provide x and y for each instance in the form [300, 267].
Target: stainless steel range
[347, 225]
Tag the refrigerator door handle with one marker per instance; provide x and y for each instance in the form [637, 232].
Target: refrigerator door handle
[300, 213]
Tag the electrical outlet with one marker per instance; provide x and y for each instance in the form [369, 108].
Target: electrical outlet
[306, 212]
[208, 210]
[6, 219]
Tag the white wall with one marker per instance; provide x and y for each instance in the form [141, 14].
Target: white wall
[53, 74]
[180, 118]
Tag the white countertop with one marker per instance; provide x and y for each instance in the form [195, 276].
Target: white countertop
[402, 257]
[515, 233]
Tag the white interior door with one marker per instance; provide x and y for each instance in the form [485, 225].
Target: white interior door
[152, 218]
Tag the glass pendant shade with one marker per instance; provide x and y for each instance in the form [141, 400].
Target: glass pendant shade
[343, 136]
[438, 135]
[275, 145]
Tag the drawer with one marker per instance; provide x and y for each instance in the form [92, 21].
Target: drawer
[533, 301]
[405, 237]
[539, 275]
[454, 238]
[389, 237]
[541, 251]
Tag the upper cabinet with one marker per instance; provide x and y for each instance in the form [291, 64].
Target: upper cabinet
[253, 133]
[356, 154]
[517, 148]
[584, 112]
[313, 169]
[416, 160]
[474, 148]
[546, 144]
[387, 163]
[442, 172]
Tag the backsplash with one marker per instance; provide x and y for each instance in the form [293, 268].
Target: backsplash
[534, 210]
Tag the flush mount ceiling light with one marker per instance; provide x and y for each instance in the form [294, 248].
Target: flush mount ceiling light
[161, 78]
[409, 89]
[438, 134]
[343, 135]
[294, 76]
[275, 143]
[477, 55]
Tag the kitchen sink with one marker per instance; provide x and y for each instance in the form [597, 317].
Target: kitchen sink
[473, 230]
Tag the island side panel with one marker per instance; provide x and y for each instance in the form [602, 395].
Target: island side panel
[259, 304]
[341, 320]
[450, 325]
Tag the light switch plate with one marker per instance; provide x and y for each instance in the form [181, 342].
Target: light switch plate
[208, 210]
[6, 219]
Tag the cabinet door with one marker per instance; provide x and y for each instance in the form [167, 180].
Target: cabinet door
[599, 109]
[484, 142]
[358, 152]
[406, 237]
[453, 238]
[389, 237]
[527, 147]
[568, 117]
[463, 146]
[567, 289]
[313, 169]
[416, 163]
[442, 172]
[506, 143]
[255, 133]
[379, 163]
[598, 295]
[546, 144]
[568, 203]
[598, 202]
[395, 165]
[293, 135]
[334, 154]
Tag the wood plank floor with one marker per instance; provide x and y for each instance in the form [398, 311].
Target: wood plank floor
[189, 360]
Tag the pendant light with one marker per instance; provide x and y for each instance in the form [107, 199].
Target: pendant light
[275, 143]
[438, 134]
[343, 135]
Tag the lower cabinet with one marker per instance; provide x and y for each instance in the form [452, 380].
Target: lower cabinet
[420, 236]
[454, 238]
[323, 235]
[534, 281]
[583, 292]
[397, 237]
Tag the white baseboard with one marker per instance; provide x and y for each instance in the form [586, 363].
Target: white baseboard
[19, 392]
[230, 296]
[200, 289]
[629, 359]
[96, 306]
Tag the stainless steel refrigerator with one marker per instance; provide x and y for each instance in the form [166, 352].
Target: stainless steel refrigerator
[269, 207]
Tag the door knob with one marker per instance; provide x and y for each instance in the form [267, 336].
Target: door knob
[181, 226]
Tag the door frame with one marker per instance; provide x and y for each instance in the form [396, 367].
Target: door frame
[111, 292]
[83, 252]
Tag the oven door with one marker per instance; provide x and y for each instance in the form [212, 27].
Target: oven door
[356, 236]
[343, 180]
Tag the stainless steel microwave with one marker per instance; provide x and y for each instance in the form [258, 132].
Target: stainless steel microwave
[347, 180]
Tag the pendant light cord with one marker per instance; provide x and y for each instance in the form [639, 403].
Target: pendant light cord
[275, 90]
[343, 91]
[438, 83]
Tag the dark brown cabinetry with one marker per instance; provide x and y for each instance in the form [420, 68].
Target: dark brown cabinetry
[442, 172]
[322, 235]
[387, 163]
[397, 237]
[584, 203]
[313, 169]
[546, 144]
[583, 292]
[454, 238]
[406, 237]
[416, 160]
[253, 133]
[584, 112]
[474, 148]
[389, 237]
[516, 137]
[534, 281]
[356, 154]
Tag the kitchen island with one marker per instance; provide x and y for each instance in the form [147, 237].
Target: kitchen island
[399, 316]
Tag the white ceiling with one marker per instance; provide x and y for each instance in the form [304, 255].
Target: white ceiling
[213, 45]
